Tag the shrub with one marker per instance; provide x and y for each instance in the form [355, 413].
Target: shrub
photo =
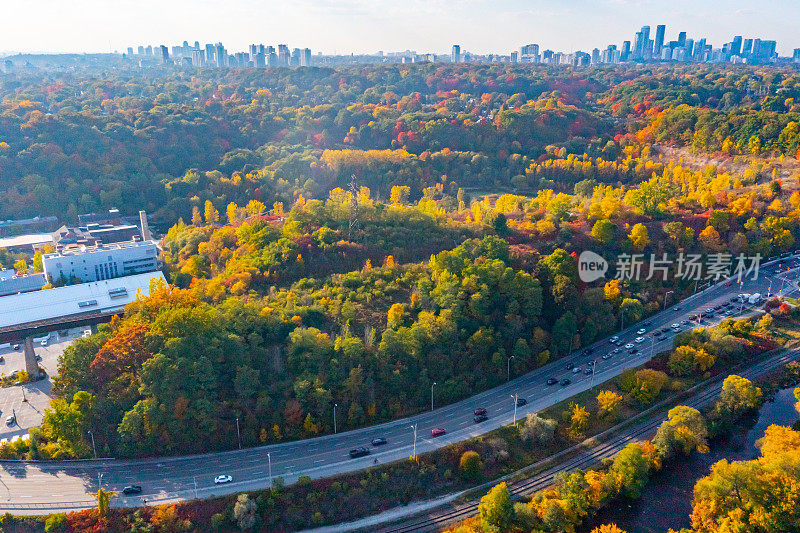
[470, 465]
[218, 521]
[537, 430]
[244, 512]
[56, 522]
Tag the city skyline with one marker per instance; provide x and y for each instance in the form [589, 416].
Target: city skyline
[50, 27]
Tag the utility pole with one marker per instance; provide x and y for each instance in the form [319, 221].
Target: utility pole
[195, 486]
[432, 386]
[665, 299]
[594, 367]
[238, 433]
[508, 368]
[335, 405]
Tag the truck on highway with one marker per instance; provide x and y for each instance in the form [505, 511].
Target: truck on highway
[754, 298]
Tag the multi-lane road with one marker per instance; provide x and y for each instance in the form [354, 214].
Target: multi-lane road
[40, 487]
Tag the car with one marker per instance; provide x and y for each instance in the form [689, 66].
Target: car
[734, 299]
[11, 420]
[64, 333]
[589, 350]
[613, 339]
[693, 317]
[378, 441]
[361, 451]
[641, 331]
[552, 381]
[222, 478]
[44, 342]
[565, 382]
[676, 308]
[606, 356]
[588, 371]
[131, 489]
[664, 329]
[481, 418]
[633, 350]
[657, 333]
[616, 350]
[646, 323]
[728, 283]
[639, 340]
[676, 326]
[438, 432]
[521, 402]
[480, 411]
[16, 347]
[569, 366]
[628, 346]
[2, 359]
[576, 370]
[684, 322]
[38, 357]
[618, 343]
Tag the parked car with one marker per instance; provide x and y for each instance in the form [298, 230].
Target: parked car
[479, 411]
[438, 432]
[11, 420]
[131, 489]
[361, 451]
[481, 418]
[378, 441]
[552, 381]
[222, 478]
[565, 382]
[521, 402]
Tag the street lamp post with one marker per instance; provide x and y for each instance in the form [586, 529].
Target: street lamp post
[335, 405]
[24, 398]
[269, 462]
[93, 448]
[238, 433]
[665, 298]
[594, 366]
[414, 455]
[194, 478]
[508, 368]
[432, 386]
[514, 397]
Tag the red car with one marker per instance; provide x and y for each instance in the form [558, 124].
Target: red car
[437, 432]
[480, 411]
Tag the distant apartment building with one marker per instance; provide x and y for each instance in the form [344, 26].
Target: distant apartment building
[105, 261]
[455, 54]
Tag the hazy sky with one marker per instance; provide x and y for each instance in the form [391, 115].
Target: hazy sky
[345, 26]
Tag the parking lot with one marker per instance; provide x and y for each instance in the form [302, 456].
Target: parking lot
[13, 399]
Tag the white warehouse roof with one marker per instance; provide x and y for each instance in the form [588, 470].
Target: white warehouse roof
[97, 296]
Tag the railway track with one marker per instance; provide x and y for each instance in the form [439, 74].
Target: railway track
[584, 459]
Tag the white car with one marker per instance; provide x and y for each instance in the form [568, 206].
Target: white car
[223, 478]
[576, 370]
[639, 340]
[44, 342]
[613, 339]
[606, 356]
[676, 326]
[641, 331]
[628, 346]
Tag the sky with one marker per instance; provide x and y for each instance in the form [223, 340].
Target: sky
[345, 26]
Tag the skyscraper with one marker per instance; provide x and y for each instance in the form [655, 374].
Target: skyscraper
[659, 44]
[283, 55]
[305, 57]
[164, 54]
[455, 54]
[736, 45]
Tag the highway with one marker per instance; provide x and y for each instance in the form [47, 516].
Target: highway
[45, 487]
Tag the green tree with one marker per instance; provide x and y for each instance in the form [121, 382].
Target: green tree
[470, 465]
[603, 231]
[496, 510]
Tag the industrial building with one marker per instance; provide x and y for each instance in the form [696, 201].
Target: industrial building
[11, 283]
[105, 261]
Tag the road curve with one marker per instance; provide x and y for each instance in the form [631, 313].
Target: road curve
[46, 487]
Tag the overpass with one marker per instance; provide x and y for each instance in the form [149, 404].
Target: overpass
[28, 315]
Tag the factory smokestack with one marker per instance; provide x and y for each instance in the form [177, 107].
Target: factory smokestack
[146, 236]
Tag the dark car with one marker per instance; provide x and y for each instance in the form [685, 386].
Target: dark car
[588, 371]
[664, 329]
[378, 441]
[132, 489]
[521, 402]
[479, 411]
[361, 451]
[569, 366]
[633, 350]
[565, 382]
[552, 381]
[656, 333]
[438, 432]
[646, 323]
[16, 347]
[481, 418]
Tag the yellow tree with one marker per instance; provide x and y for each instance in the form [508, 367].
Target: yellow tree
[197, 220]
[609, 402]
[639, 236]
[211, 213]
[579, 418]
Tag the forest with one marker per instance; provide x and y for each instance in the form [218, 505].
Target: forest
[476, 187]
